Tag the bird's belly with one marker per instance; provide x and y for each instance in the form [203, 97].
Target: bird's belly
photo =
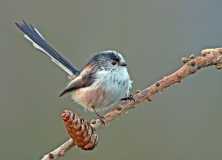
[89, 97]
[93, 98]
[99, 98]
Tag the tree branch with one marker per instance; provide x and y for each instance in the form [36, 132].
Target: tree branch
[82, 132]
[60, 151]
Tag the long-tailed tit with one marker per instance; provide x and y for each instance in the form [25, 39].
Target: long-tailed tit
[102, 83]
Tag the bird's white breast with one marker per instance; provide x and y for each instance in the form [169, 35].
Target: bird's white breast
[107, 90]
[116, 84]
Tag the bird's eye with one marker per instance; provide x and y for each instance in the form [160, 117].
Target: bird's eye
[114, 62]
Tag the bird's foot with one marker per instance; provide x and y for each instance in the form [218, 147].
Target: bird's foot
[100, 117]
[130, 98]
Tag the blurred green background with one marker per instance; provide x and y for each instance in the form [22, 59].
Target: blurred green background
[182, 123]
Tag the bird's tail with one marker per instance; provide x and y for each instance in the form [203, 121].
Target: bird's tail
[32, 34]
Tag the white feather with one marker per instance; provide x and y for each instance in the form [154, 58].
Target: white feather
[117, 84]
[39, 33]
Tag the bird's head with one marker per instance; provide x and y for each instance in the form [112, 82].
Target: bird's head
[108, 60]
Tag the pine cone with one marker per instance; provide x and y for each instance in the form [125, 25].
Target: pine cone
[80, 130]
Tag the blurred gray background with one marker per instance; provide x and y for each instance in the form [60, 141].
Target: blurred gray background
[183, 123]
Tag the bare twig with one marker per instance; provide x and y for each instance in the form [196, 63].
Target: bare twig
[60, 151]
[208, 57]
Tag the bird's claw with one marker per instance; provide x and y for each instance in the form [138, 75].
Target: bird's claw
[100, 117]
[130, 98]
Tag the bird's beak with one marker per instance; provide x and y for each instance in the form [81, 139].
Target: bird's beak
[123, 64]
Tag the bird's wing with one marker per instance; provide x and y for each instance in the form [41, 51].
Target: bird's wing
[33, 35]
[84, 79]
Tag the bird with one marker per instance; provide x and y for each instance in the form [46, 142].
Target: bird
[101, 83]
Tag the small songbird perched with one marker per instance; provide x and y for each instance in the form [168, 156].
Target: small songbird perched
[102, 83]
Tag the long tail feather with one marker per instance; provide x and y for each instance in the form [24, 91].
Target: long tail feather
[32, 34]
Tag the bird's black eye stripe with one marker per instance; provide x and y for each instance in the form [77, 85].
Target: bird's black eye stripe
[105, 57]
[115, 58]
